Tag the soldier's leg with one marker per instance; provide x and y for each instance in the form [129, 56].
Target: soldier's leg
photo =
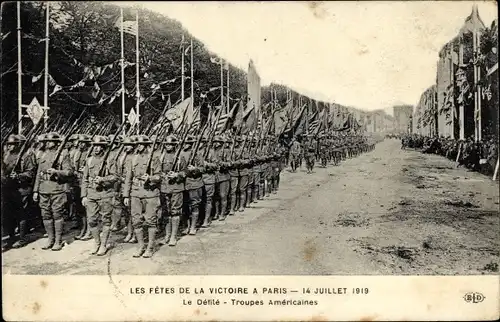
[116, 214]
[23, 208]
[209, 193]
[48, 219]
[59, 206]
[93, 223]
[224, 187]
[195, 196]
[8, 219]
[217, 200]
[232, 195]
[136, 211]
[250, 188]
[165, 214]
[80, 213]
[106, 209]
[175, 202]
[151, 215]
[243, 186]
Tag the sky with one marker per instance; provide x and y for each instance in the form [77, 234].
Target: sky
[367, 55]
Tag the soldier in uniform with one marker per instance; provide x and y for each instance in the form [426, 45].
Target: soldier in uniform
[117, 202]
[295, 152]
[209, 179]
[121, 164]
[98, 190]
[77, 159]
[50, 191]
[253, 172]
[222, 151]
[193, 184]
[309, 154]
[17, 184]
[142, 194]
[244, 170]
[172, 188]
[234, 177]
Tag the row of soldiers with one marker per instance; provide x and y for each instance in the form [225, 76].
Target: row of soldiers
[326, 148]
[478, 156]
[138, 182]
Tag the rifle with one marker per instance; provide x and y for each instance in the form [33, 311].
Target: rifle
[161, 131]
[34, 131]
[103, 165]
[72, 128]
[197, 145]
[212, 135]
[178, 152]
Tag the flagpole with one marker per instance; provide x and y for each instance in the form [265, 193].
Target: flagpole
[452, 81]
[192, 74]
[19, 72]
[122, 60]
[477, 110]
[221, 84]
[182, 68]
[46, 71]
[227, 109]
[137, 71]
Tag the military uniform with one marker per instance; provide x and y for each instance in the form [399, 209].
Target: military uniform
[17, 186]
[222, 178]
[78, 158]
[234, 177]
[172, 189]
[295, 154]
[142, 192]
[244, 170]
[50, 192]
[193, 184]
[209, 180]
[98, 192]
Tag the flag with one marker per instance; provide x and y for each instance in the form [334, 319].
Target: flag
[95, 90]
[253, 89]
[225, 120]
[130, 27]
[186, 52]
[216, 60]
[280, 121]
[36, 78]
[57, 88]
[175, 114]
[194, 128]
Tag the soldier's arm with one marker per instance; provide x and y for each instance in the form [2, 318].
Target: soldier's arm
[66, 168]
[113, 175]
[155, 178]
[85, 180]
[128, 180]
[38, 175]
[29, 168]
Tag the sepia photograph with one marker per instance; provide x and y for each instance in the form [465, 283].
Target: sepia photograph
[333, 149]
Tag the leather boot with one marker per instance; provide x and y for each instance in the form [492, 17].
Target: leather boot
[106, 230]
[151, 242]
[174, 230]
[115, 220]
[22, 235]
[84, 228]
[139, 234]
[49, 228]
[208, 211]
[194, 219]
[58, 230]
[168, 230]
[243, 200]
[130, 232]
[97, 240]
[88, 235]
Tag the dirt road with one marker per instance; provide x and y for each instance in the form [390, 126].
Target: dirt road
[389, 211]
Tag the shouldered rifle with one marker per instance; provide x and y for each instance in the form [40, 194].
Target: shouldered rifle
[108, 152]
[212, 135]
[192, 156]
[72, 128]
[179, 149]
[32, 134]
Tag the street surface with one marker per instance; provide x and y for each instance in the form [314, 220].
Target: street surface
[389, 211]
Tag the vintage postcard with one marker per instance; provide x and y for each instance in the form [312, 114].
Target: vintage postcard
[250, 161]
